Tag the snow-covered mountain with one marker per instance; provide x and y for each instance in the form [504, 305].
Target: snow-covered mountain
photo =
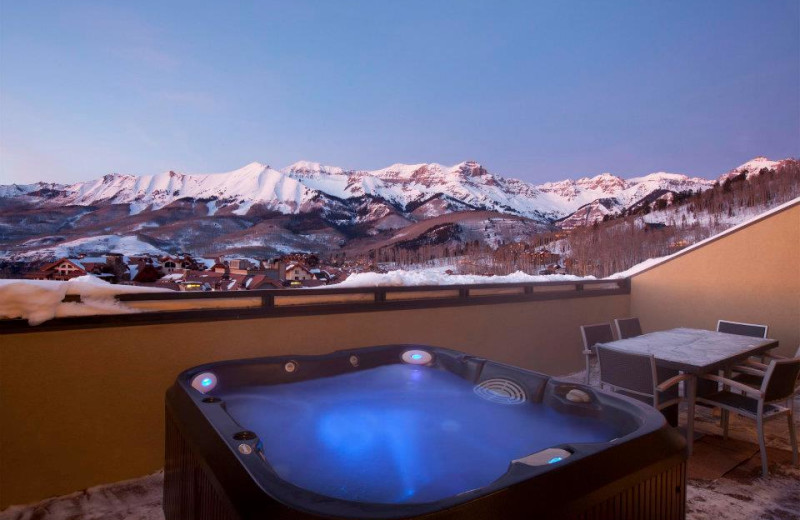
[306, 186]
[310, 206]
[752, 167]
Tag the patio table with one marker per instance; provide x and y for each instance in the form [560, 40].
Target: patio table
[694, 352]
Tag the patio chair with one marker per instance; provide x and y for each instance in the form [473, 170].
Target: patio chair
[637, 376]
[753, 330]
[628, 327]
[752, 372]
[780, 383]
[593, 334]
[742, 329]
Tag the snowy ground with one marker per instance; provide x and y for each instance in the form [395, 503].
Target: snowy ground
[438, 276]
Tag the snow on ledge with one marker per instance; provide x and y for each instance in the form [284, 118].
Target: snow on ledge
[641, 266]
[437, 276]
[652, 262]
[40, 300]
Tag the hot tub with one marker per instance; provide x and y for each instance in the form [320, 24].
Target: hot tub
[406, 431]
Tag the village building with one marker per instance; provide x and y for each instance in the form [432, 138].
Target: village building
[147, 273]
[323, 275]
[62, 269]
[654, 226]
[265, 269]
[299, 272]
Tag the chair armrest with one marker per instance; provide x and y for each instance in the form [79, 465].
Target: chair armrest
[774, 356]
[753, 392]
[742, 369]
[755, 364]
[672, 381]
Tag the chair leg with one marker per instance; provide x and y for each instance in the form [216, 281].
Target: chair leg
[793, 438]
[725, 421]
[762, 447]
[723, 416]
[588, 366]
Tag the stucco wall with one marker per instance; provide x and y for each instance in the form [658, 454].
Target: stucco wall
[751, 275]
[84, 407]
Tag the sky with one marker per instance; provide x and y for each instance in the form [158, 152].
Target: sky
[535, 90]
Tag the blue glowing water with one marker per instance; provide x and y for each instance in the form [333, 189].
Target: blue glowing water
[398, 433]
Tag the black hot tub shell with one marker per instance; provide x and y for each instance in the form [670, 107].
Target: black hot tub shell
[215, 468]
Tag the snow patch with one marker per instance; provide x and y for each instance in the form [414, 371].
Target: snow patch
[40, 300]
[647, 264]
[212, 207]
[438, 276]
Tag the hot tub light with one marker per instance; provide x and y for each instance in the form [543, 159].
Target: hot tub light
[544, 457]
[204, 382]
[417, 357]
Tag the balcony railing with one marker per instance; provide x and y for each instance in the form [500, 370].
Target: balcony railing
[170, 307]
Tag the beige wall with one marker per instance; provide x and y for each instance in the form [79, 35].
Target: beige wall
[751, 275]
[84, 407]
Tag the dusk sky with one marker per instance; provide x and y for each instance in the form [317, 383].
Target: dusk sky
[539, 91]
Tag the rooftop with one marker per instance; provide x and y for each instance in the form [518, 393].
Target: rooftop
[83, 396]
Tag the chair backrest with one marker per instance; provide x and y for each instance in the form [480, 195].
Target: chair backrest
[598, 333]
[781, 379]
[627, 370]
[628, 327]
[742, 329]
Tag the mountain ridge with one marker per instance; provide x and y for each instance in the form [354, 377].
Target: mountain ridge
[292, 188]
[310, 206]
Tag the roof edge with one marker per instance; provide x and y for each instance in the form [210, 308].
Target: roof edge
[747, 223]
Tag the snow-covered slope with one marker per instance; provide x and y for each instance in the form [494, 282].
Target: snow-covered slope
[243, 187]
[126, 245]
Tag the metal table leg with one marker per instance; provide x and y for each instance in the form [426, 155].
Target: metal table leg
[690, 398]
